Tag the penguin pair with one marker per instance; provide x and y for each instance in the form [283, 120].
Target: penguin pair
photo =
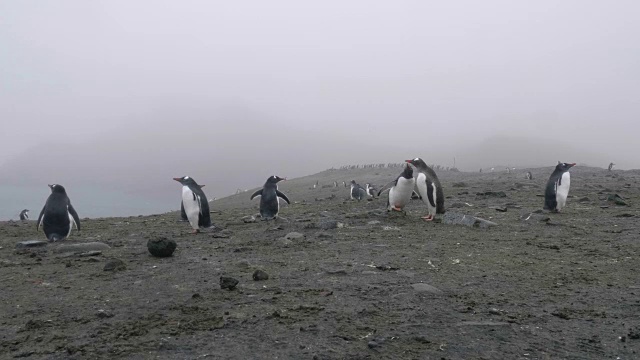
[195, 204]
[269, 198]
[357, 192]
[58, 215]
[557, 189]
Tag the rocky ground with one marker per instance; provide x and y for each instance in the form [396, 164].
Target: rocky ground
[345, 280]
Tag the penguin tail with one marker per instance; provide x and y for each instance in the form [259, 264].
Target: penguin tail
[54, 237]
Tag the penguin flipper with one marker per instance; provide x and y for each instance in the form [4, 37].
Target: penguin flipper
[257, 193]
[74, 214]
[430, 194]
[388, 186]
[40, 218]
[283, 196]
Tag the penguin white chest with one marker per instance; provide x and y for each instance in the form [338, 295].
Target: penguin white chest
[191, 203]
[423, 189]
[400, 194]
[562, 190]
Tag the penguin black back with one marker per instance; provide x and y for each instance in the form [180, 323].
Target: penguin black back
[58, 215]
[554, 184]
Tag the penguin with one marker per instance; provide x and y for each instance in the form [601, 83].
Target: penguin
[429, 188]
[58, 215]
[335, 184]
[371, 191]
[357, 192]
[344, 183]
[183, 214]
[557, 190]
[611, 166]
[195, 204]
[269, 198]
[316, 184]
[528, 175]
[400, 190]
[24, 214]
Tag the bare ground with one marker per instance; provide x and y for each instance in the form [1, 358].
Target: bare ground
[566, 288]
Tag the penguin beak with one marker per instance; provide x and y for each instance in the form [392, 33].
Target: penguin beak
[178, 179]
[571, 165]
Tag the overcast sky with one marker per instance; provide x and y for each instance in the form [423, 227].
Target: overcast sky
[444, 72]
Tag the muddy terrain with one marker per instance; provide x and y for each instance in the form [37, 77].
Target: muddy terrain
[346, 280]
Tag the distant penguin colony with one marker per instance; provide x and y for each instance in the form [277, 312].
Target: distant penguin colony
[58, 215]
[357, 192]
[557, 189]
[400, 190]
[24, 214]
[429, 188]
[269, 198]
[195, 204]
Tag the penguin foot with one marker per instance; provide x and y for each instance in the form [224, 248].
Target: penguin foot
[428, 217]
[195, 231]
[395, 208]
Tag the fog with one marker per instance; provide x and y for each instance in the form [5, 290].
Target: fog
[131, 93]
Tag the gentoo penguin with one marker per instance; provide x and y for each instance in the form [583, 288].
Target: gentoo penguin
[528, 175]
[58, 215]
[371, 191]
[24, 214]
[344, 183]
[195, 204]
[357, 192]
[429, 188]
[316, 184]
[555, 194]
[400, 190]
[183, 214]
[611, 166]
[269, 198]
[335, 184]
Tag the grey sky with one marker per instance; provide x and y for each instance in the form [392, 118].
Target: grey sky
[450, 72]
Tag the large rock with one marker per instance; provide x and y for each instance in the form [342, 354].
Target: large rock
[161, 247]
[452, 218]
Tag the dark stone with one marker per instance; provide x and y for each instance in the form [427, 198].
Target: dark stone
[584, 199]
[103, 314]
[114, 265]
[228, 283]
[30, 244]
[617, 199]
[260, 275]
[161, 247]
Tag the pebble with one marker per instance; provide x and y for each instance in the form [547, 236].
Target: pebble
[294, 236]
[260, 275]
[228, 283]
[114, 265]
[161, 247]
[249, 219]
[328, 224]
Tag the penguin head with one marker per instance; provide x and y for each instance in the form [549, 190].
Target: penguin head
[55, 188]
[564, 166]
[353, 182]
[417, 162]
[186, 181]
[407, 173]
[273, 179]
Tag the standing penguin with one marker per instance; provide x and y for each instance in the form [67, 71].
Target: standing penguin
[371, 190]
[528, 175]
[357, 192]
[24, 214]
[429, 188]
[269, 198]
[58, 215]
[183, 214]
[557, 190]
[400, 190]
[195, 204]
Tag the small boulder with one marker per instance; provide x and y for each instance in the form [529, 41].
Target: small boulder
[161, 247]
[294, 236]
[228, 283]
[260, 275]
